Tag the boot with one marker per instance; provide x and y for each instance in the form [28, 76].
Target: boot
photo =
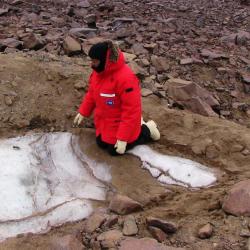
[154, 132]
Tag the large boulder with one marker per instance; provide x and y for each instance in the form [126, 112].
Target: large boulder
[238, 200]
[68, 242]
[191, 96]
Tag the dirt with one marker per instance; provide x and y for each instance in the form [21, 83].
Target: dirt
[45, 99]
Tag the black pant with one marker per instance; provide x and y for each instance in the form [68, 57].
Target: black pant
[143, 138]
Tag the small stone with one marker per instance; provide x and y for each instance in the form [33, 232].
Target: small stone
[94, 222]
[84, 4]
[124, 205]
[245, 152]
[186, 61]
[157, 233]
[111, 221]
[110, 238]
[167, 227]
[160, 63]
[205, 232]
[129, 57]
[8, 101]
[146, 92]
[245, 233]
[32, 41]
[130, 227]
[80, 85]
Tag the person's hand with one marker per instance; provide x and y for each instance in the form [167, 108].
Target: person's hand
[120, 147]
[78, 119]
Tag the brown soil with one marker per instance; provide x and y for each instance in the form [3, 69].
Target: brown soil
[45, 99]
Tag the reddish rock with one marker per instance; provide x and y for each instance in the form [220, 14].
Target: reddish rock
[160, 63]
[237, 201]
[144, 244]
[94, 222]
[157, 233]
[83, 4]
[124, 205]
[213, 54]
[192, 96]
[12, 43]
[68, 242]
[111, 221]
[110, 239]
[129, 226]
[71, 46]
[206, 231]
[32, 41]
[166, 226]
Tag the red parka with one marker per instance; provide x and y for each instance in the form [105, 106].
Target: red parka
[114, 96]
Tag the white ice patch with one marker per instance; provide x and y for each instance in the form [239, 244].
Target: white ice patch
[174, 170]
[46, 181]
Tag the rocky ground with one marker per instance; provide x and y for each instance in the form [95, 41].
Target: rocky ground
[194, 64]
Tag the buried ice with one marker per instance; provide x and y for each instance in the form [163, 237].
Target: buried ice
[46, 180]
[174, 170]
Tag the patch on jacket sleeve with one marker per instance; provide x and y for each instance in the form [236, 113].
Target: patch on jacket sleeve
[129, 90]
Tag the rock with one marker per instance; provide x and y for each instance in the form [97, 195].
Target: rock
[144, 244]
[111, 221]
[3, 11]
[124, 205]
[80, 85]
[12, 43]
[82, 32]
[192, 96]
[8, 100]
[237, 201]
[129, 57]
[160, 63]
[32, 41]
[245, 233]
[139, 71]
[178, 82]
[84, 4]
[123, 33]
[71, 46]
[206, 231]
[146, 92]
[110, 238]
[138, 49]
[165, 226]
[91, 20]
[245, 78]
[68, 242]
[157, 233]
[94, 221]
[186, 61]
[213, 54]
[129, 226]
[239, 38]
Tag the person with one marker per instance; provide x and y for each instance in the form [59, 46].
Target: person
[114, 96]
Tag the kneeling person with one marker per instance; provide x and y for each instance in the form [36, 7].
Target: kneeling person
[114, 97]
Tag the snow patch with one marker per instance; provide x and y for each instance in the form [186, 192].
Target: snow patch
[174, 170]
[46, 181]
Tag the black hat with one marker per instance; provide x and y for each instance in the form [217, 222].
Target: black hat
[99, 51]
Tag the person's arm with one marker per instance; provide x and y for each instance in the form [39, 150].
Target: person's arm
[87, 106]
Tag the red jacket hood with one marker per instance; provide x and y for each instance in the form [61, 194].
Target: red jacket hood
[110, 65]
